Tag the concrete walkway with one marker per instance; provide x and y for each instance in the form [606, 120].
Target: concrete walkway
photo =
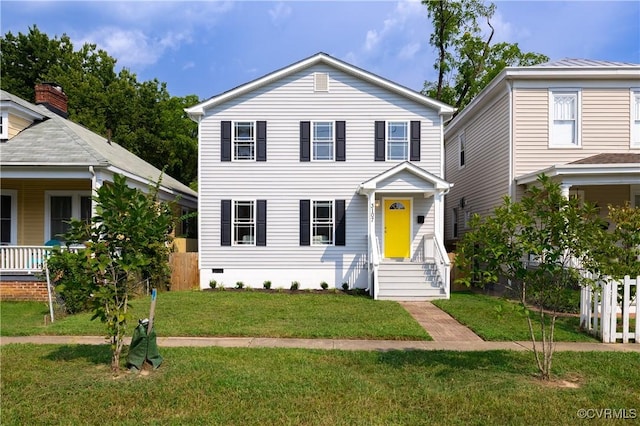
[447, 334]
[441, 326]
[327, 344]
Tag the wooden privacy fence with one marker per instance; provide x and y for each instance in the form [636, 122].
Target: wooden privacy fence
[608, 314]
[185, 274]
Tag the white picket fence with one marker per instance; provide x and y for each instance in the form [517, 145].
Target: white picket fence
[601, 312]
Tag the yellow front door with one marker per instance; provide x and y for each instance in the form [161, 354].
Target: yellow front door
[397, 228]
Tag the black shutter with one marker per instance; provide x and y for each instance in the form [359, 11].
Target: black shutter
[341, 223]
[261, 141]
[305, 141]
[340, 141]
[415, 141]
[261, 223]
[225, 222]
[225, 141]
[379, 141]
[305, 222]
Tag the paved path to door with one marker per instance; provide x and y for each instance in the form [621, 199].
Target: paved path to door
[441, 326]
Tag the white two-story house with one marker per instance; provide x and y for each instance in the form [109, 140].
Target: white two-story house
[575, 120]
[323, 172]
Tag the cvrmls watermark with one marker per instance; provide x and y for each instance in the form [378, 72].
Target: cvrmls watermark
[607, 413]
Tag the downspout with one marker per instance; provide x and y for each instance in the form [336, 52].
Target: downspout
[511, 186]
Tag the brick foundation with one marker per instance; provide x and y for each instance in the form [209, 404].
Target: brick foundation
[24, 290]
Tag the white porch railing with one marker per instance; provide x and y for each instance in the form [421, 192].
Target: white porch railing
[23, 259]
[434, 249]
[374, 262]
[600, 309]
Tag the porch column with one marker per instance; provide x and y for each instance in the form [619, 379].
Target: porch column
[564, 188]
[371, 230]
[439, 211]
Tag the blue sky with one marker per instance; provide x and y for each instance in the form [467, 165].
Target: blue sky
[205, 48]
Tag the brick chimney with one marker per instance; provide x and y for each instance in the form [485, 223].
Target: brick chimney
[52, 97]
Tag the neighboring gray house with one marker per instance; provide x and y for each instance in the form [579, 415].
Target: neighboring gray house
[49, 169]
[322, 171]
[575, 120]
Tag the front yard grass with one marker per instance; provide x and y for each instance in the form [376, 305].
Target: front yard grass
[231, 313]
[59, 384]
[496, 319]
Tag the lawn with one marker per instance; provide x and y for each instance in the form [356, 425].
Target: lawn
[497, 319]
[54, 384]
[230, 313]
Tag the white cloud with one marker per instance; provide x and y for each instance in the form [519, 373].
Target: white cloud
[280, 12]
[409, 51]
[371, 41]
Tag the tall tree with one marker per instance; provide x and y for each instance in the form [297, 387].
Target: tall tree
[140, 116]
[466, 58]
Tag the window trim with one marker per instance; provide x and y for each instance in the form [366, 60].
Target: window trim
[312, 140]
[312, 222]
[75, 207]
[578, 120]
[455, 223]
[234, 141]
[13, 233]
[462, 151]
[4, 125]
[407, 140]
[254, 214]
[634, 136]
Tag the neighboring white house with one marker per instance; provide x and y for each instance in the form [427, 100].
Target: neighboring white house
[575, 120]
[322, 171]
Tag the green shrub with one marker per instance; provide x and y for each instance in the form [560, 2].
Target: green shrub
[239, 285]
[213, 283]
[345, 286]
[73, 283]
[295, 285]
[324, 285]
[266, 285]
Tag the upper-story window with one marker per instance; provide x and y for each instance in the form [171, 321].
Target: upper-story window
[635, 119]
[564, 119]
[244, 141]
[462, 142]
[397, 140]
[323, 140]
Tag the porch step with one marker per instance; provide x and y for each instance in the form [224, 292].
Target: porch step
[409, 281]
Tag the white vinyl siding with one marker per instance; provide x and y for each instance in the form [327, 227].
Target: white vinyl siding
[283, 181]
[462, 160]
[564, 118]
[635, 119]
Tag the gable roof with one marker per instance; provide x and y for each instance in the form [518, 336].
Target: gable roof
[372, 184]
[563, 69]
[319, 58]
[54, 141]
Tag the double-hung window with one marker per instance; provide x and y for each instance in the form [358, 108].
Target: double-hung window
[244, 223]
[61, 208]
[323, 140]
[397, 140]
[244, 141]
[322, 223]
[635, 119]
[564, 119]
[8, 217]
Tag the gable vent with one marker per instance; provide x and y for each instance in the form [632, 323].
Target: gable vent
[320, 82]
